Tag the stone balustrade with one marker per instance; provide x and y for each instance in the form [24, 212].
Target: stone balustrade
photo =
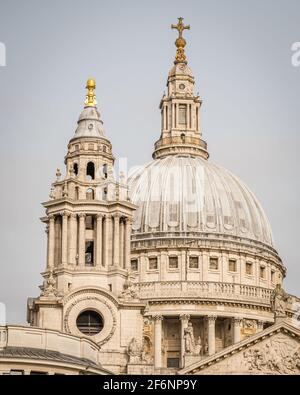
[203, 289]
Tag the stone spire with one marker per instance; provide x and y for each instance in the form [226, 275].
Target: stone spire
[180, 108]
[89, 122]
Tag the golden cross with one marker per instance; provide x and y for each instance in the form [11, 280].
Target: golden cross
[180, 26]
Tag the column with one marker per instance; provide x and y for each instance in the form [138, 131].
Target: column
[127, 242]
[99, 241]
[116, 253]
[81, 241]
[173, 115]
[122, 244]
[72, 239]
[236, 321]
[184, 318]
[107, 241]
[211, 326]
[64, 238]
[51, 237]
[157, 340]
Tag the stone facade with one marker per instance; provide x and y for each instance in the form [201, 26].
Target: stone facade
[172, 270]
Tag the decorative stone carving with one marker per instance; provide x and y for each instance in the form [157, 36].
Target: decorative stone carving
[279, 300]
[129, 291]
[49, 286]
[191, 346]
[134, 351]
[277, 356]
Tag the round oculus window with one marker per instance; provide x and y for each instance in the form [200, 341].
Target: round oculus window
[89, 322]
[181, 86]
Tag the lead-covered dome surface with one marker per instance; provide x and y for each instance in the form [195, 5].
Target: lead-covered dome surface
[184, 194]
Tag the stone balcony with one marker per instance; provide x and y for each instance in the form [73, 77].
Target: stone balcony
[213, 291]
[204, 290]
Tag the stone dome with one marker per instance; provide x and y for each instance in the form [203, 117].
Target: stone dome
[189, 196]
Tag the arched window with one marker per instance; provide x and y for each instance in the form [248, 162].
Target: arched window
[89, 194]
[90, 170]
[104, 196]
[89, 253]
[104, 169]
[75, 168]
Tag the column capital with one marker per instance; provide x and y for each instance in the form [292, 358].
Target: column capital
[116, 215]
[64, 213]
[81, 215]
[51, 217]
[157, 317]
[237, 320]
[211, 318]
[73, 215]
[184, 317]
[260, 324]
[99, 216]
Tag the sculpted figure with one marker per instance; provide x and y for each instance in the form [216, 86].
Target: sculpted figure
[279, 300]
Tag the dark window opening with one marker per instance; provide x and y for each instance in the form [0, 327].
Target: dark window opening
[173, 262]
[134, 265]
[75, 168]
[89, 253]
[104, 168]
[104, 193]
[90, 170]
[173, 362]
[89, 322]
[193, 262]
[153, 264]
[89, 222]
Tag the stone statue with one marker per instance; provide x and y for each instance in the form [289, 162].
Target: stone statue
[129, 291]
[198, 346]
[49, 286]
[189, 341]
[279, 300]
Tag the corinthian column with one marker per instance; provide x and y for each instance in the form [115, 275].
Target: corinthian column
[81, 241]
[211, 327]
[236, 329]
[99, 241]
[116, 251]
[107, 241]
[184, 318]
[122, 244]
[157, 340]
[127, 243]
[64, 238]
[51, 238]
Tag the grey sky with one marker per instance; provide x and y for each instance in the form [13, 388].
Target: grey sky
[240, 53]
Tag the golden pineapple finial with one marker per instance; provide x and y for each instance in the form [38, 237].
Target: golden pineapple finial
[90, 100]
[180, 41]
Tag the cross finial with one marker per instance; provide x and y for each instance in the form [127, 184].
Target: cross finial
[180, 41]
[180, 27]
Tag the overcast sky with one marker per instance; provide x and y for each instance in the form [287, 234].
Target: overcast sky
[240, 53]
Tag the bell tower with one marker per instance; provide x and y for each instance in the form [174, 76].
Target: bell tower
[180, 108]
[88, 222]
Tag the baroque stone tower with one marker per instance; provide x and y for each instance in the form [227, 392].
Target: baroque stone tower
[88, 219]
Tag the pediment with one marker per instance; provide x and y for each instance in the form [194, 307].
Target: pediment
[274, 351]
